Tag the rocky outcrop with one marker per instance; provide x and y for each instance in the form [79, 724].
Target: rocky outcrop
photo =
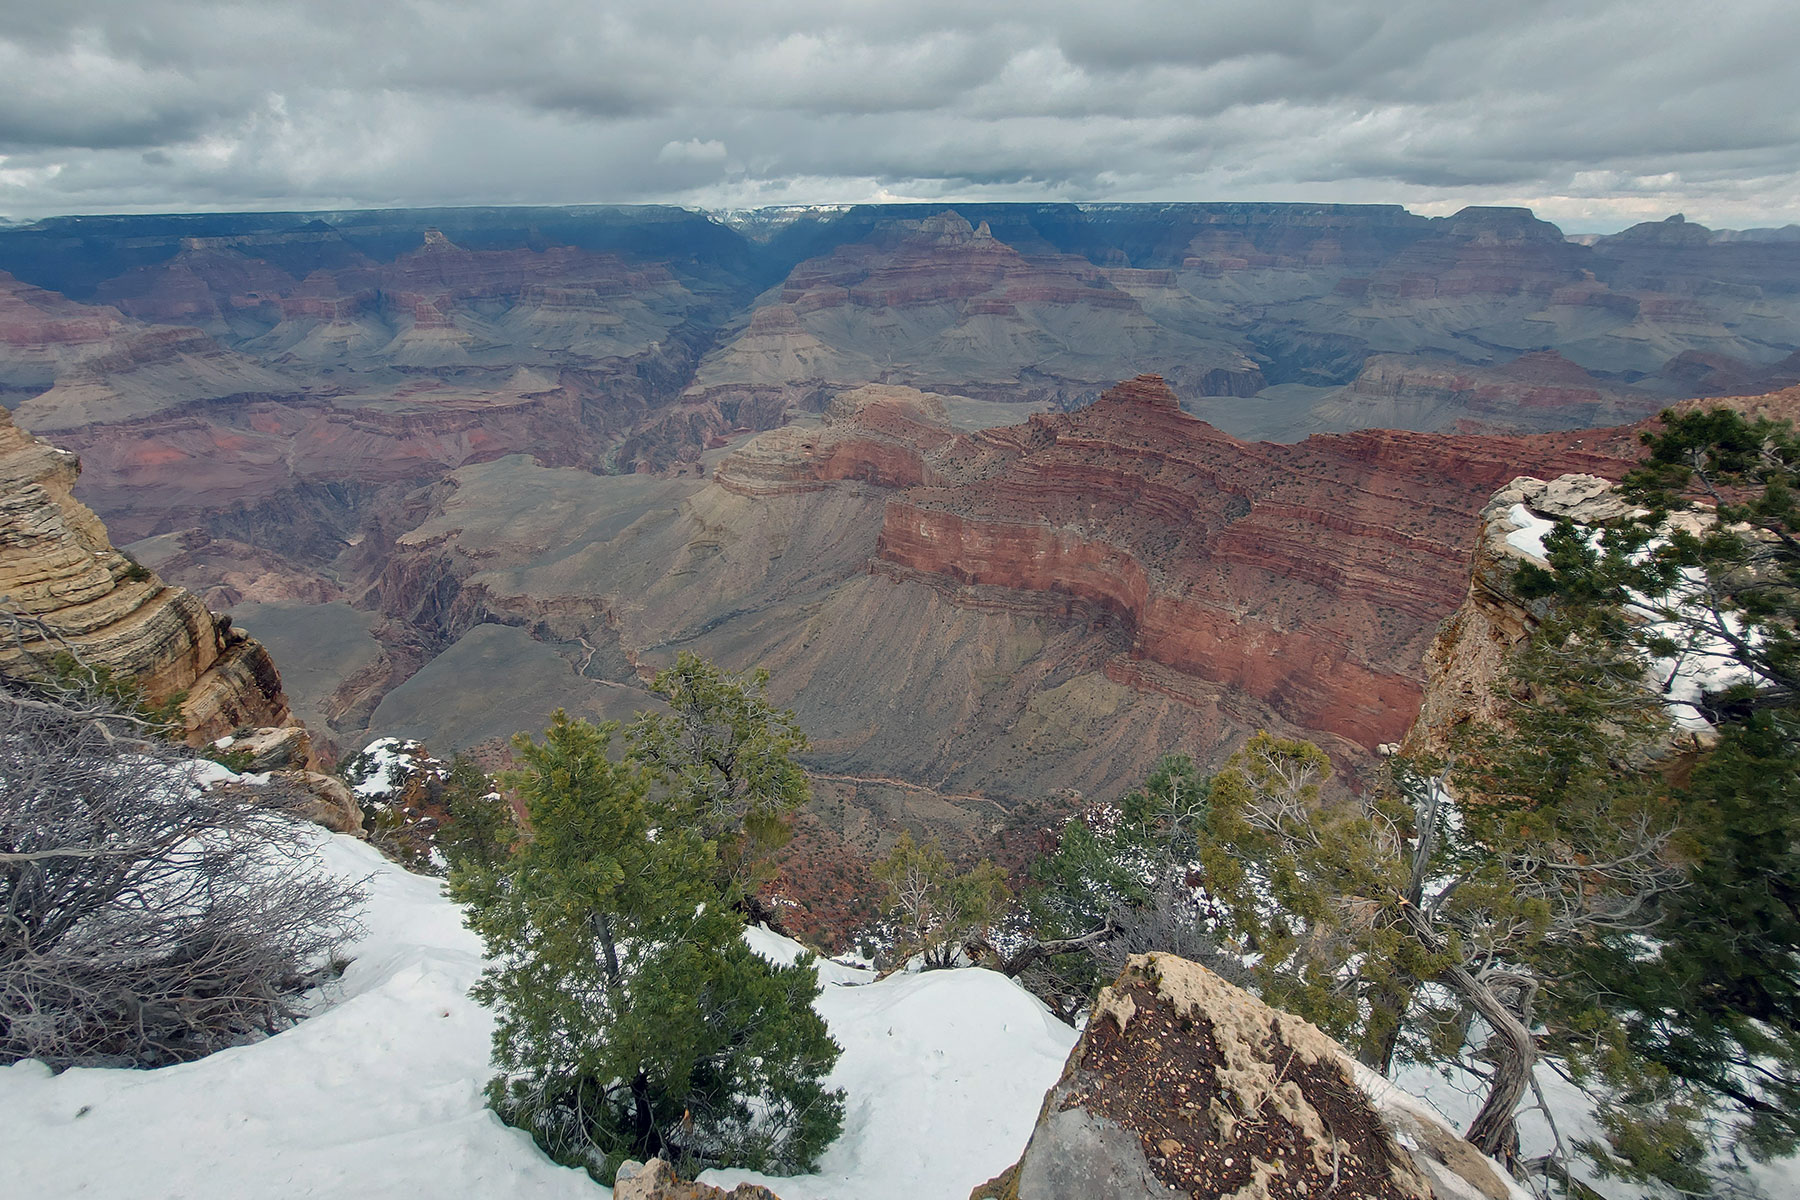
[64, 588]
[1470, 651]
[1183, 1084]
[656, 1180]
[311, 796]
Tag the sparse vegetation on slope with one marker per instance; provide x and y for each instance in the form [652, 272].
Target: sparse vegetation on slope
[145, 919]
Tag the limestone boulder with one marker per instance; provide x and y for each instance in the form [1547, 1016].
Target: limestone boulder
[322, 799]
[272, 748]
[1185, 1085]
[656, 1180]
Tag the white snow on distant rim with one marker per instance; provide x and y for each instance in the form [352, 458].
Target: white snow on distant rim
[379, 1095]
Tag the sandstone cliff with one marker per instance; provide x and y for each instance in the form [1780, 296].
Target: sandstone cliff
[71, 590]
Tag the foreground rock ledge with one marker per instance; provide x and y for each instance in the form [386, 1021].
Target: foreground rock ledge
[1183, 1084]
[656, 1180]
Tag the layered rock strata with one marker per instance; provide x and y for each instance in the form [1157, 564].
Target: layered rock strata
[64, 588]
[940, 302]
[1309, 576]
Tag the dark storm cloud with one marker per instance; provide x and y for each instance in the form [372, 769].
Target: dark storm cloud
[1597, 112]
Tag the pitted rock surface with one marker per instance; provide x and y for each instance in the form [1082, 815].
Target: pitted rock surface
[1183, 1084]
[656, 1180]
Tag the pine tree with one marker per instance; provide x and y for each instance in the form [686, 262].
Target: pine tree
[481, 829]
[1719, 1005]
[632, 1019]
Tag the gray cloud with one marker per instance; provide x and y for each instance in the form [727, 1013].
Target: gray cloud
[1596, 112]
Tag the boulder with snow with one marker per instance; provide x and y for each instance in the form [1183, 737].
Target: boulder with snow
[656, 1180]
[1184, 1084]
[273, 748]
[324, 800]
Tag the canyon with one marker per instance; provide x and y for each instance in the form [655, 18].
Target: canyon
[458, 468]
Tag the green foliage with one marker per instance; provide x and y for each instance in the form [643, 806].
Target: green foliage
[230, 759]
[135, 571]
[1111, 858]
[481, 830]
[1718, 1009]
[1252, 864]
[70, 675]
[1721, 1008]
[1309, 887]
[936, 908]
[631, 1018]
[727, 759]
[1120, 865]
[1726, 574]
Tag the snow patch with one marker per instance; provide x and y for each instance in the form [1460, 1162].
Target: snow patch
[944, 1073]
[1703, 663]
[1528, 532]
[379, 1095]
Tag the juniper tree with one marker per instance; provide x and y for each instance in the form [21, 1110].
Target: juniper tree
[1707, 573]
[727, 759]
[632, 1018]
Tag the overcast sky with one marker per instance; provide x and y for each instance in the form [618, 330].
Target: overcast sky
[1597, 114]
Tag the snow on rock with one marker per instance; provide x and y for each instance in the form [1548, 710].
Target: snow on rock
[1705, 662]
[1528, 531]
[382, 767]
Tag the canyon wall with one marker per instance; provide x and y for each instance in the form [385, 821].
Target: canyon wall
[352, 408]
[1308, 576]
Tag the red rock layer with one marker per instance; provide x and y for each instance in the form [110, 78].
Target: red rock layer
[1310, 575]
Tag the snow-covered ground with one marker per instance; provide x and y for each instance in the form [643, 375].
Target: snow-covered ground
[944, 1070]
[379, 1095]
